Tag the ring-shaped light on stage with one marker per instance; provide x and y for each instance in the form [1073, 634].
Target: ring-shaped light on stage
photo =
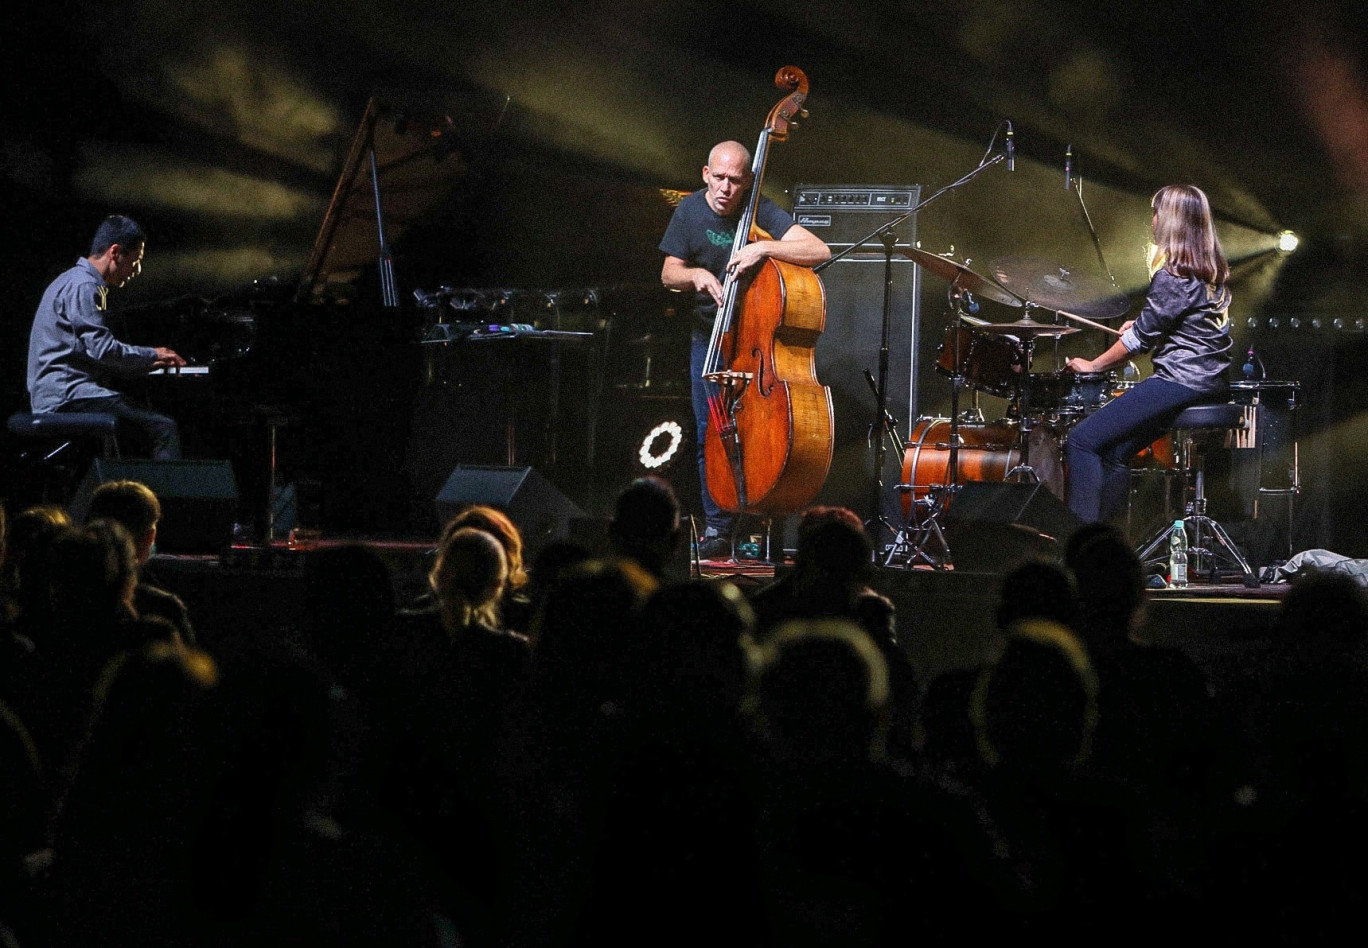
[649, 459]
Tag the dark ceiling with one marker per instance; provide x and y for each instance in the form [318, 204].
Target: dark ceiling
[224, 124]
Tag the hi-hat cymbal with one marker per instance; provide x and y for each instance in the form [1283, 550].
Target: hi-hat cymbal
[1054, 287]
[956, 273]
[1026, 328]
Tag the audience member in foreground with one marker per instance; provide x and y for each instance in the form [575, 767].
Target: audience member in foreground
[135, 507]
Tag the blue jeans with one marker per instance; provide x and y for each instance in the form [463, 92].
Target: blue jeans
[150, 432]
[717, 520]
[1100, 449]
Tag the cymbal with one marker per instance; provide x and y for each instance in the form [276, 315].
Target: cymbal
[1054, 287]
[1026, 328]
[956, 273]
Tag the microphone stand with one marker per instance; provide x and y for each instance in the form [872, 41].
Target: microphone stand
[885, 236]
[1075, 184]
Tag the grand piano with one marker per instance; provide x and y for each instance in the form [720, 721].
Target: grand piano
[369, 377]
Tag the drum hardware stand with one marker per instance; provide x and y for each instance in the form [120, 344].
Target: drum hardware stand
[884, 234]
[914, 542]
[1022, 472]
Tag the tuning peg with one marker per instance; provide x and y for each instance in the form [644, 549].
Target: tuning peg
[803, 113]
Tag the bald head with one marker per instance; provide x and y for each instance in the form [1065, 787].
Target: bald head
[727, 176]
[729, 151]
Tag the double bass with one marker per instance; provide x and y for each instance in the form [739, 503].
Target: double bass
[769, 439]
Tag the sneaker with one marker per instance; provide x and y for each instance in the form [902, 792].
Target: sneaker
[714, 548]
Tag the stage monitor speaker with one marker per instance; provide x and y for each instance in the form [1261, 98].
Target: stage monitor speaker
[198, 499]
[841, 214]
[540, 511]
[993, 526]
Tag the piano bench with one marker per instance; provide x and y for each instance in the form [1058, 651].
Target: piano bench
[56, 447]
[67, 427]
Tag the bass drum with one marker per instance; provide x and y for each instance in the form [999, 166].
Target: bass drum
[987, 451]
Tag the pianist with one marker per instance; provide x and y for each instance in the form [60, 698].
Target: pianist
[74, 360]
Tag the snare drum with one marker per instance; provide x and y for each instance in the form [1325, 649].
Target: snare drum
[1089, 391]
[989, 363]
[986, 453]
[1046, 391]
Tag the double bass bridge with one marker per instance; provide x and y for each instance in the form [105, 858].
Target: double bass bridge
[727, 377]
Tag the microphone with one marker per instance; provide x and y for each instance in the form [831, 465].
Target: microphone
[1248, 369]
[1068, 169]
[1011, 149]
[970, 304]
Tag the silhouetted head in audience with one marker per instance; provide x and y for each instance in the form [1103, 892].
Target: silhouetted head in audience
[1037, 590]
[469, 577]
[645, 523]
[92, 572]
[502, 528]
[819, 693]
[588, 631]
[552, 561]
[832, 545]
[142, 731]
[693, 651]
[1111, 582]
[1324, 618]
[30, 530]
[133, 505]
[1034, 710]
[348, 599]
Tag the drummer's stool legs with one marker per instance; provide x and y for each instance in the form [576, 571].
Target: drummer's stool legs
[1191, 423]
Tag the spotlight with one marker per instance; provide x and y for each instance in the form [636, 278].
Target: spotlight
[1287, 241]
[1294, 322]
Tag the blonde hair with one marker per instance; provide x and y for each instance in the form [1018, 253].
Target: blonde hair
[469, 577]
[1185, 241]
[502, 528]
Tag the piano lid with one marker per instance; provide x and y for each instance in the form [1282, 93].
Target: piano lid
[418, 164]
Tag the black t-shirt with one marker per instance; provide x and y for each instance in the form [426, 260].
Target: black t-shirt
[701, 237]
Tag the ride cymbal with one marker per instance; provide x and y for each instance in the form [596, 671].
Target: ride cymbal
[957, 274]
[1050, 286]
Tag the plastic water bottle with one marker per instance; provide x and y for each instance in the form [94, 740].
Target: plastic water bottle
[1178, 555]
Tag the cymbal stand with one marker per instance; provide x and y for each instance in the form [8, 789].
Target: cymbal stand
[884, 234]
[923, 538]
[1023, 472]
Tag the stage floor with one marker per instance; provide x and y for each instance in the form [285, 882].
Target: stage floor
[945, 617]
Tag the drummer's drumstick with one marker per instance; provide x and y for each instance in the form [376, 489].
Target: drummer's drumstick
[1089, 322]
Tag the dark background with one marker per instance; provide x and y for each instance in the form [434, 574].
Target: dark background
[223, 126]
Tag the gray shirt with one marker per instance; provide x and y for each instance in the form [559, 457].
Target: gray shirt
[72, 352]
[1186, 323]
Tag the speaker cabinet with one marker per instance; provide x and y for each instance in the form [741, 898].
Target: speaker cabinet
[540, 511]
[992, 527]
[850, 345]
[199, 499]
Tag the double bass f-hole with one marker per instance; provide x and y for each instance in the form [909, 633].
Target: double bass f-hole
[759, 358]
